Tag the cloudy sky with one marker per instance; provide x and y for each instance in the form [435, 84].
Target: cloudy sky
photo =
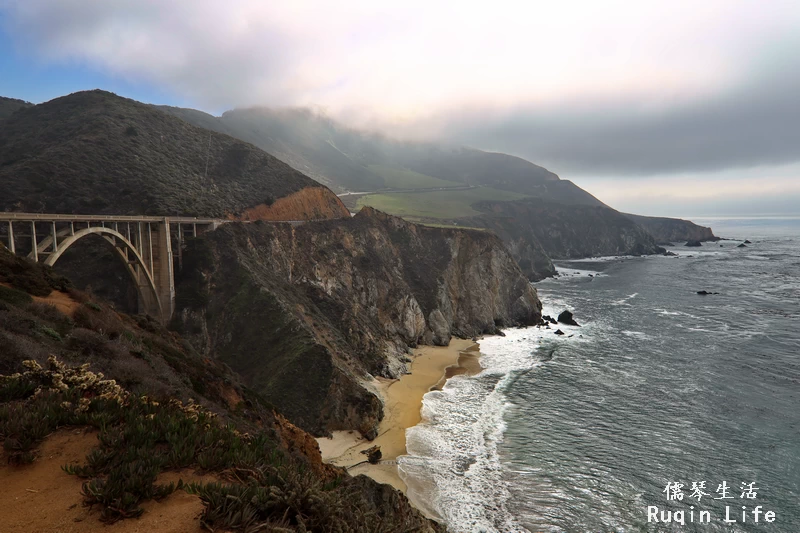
[661, 107]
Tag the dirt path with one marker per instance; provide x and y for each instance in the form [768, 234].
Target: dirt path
[61, 300]
[41, 498]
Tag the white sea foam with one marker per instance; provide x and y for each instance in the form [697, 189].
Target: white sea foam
[565, 272]
[636, 334]
[453, 467]
[625, 301]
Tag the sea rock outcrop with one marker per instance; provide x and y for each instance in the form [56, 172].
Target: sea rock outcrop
[693, 243]
[308, 314]
[565, 317]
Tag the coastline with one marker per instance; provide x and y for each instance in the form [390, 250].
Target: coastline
[430, 368]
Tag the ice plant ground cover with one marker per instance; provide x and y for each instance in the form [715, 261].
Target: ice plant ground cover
[139, 438]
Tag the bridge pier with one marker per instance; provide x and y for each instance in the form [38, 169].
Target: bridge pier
[144, 245]
[162, 268]
[11, 238]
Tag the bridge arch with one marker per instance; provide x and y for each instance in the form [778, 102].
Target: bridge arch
[130, 256]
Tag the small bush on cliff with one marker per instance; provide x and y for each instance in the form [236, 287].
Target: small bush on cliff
[139, 438]
[13, 296]
[28, 276]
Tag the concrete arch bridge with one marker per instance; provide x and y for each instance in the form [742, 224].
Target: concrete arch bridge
[144, 244]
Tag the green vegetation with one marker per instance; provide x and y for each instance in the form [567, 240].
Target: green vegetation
[452, 226]
[26, 275]
[356, 160]
[400, 178]
[107, 154]
[435, 204]
[8, 106]
[14, 296]
[139, 438]
[133, 382]
[140, 353]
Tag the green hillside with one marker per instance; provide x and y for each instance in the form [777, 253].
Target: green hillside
[446, 204]
[346, 159]
[400, 178]
[8, 106]
[95, 152]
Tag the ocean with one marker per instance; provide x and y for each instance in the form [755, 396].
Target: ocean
[607, 428]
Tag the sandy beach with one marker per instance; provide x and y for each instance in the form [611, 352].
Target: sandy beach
[431, 366]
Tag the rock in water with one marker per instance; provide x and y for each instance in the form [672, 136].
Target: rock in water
[559, 332]
[704, 293]
[743, 245]
[566, 318]
[747, 242]
[548, 319]
[693, 243]
[373, 454]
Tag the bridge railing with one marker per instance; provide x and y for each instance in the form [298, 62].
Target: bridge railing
[44, 217]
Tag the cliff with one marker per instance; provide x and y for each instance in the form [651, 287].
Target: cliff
[307, 314]
[536, 230]
[55, 341]
[96, 153]
[666, 230]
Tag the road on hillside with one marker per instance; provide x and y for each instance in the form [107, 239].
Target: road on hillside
[419, 189]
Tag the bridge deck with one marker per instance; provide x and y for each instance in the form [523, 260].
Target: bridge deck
[44, 217]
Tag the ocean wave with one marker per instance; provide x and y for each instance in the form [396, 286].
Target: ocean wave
[626, 300]
[564, 272]
[453, 468]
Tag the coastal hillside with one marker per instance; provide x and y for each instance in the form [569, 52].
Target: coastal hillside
[8, 106]
[106, 417]
[667, 230]
[307, 315]
[564, 231]
[94, 153]
[436, 184]
[347, 159]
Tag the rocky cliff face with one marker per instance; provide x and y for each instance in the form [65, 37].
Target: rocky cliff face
[535, 230]
[41, 317]
[307, 314]
[665, 230]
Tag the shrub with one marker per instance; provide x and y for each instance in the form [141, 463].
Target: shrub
[139, 438]
[105, 322]
[50, 332]
[61, 322]
[14, 297]
[16, 320]
[86, 341]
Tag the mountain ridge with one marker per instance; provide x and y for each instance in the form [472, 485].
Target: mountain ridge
[345, 158]
[94, 152]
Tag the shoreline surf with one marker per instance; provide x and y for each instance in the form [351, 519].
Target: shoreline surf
[430, 368]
